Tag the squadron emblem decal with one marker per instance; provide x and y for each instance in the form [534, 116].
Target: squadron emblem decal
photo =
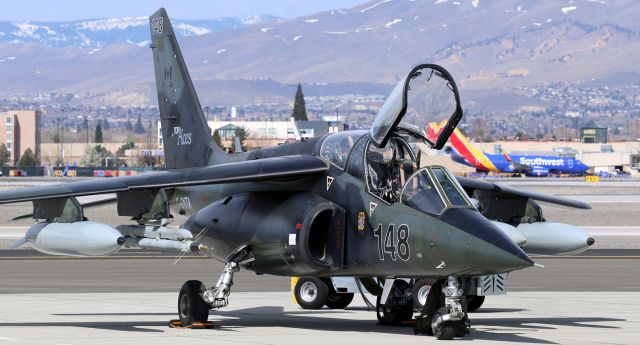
[329, 182]
[361, 218]
[372, 207]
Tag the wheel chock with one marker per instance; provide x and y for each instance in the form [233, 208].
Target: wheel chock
[177, 324]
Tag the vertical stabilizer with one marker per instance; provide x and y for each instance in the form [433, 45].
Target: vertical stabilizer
[186, 137]
[464, 148]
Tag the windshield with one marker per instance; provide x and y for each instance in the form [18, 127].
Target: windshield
[421, 193]
[445, 181]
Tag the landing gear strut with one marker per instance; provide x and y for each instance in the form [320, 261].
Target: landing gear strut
[398, 307]
[195, 301]
[444, 314]
[218, 296]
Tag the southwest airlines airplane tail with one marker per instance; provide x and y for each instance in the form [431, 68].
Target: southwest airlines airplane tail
[533, 165]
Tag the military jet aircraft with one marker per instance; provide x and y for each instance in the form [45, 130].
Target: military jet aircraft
[352, 203]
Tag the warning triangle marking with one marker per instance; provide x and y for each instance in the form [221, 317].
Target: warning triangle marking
[329, 182]
[372, 207]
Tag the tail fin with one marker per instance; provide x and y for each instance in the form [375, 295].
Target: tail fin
[432, 131]
[464, 148]
[186, 137]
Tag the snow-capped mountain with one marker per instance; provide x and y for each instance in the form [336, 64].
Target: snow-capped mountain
[98, 33]
[486, 45]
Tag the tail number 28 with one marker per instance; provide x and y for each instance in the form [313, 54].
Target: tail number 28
[395, 242]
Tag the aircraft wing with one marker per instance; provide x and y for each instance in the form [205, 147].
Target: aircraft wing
[473, 184]
[246, 171]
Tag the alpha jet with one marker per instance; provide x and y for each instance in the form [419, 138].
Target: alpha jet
[345, 204]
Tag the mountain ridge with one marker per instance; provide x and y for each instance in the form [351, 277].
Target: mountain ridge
[486, 45]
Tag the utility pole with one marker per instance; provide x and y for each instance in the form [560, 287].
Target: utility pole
[149, 140]
[58, 134]
[86, 125]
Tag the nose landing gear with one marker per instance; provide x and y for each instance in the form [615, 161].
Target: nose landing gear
[444, 315]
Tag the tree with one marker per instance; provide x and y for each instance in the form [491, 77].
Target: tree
[55, 138]
[85, 124]
[28, 159]
[106, 125]
[216, 138]
[241, 134]
[94, 156]
[139, 128]
[98, 134]
[5, 155]
[299, 108]
[127, 146]
[128, 126]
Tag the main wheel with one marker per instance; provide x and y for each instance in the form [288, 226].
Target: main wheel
[339, 300]
[474, 303]
[421, 290]
[191, 307]
[311, 293]
[398, 307]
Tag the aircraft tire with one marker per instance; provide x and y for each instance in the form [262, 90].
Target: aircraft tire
[311, 293]
[339, 300]
[191, 307]
[421, 290]
[448, 329]
[474, 303]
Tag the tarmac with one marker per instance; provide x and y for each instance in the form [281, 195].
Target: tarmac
[271, 318]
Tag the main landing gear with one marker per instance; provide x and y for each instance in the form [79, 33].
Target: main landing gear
[314, 293]
[398, 307]
[444, 314]
[195, 301]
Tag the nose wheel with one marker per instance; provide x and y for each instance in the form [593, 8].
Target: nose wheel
[444, 314]
[191, 307]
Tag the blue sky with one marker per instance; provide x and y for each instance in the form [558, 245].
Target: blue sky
[62, 10]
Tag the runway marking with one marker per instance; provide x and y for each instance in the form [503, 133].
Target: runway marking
[8, 339]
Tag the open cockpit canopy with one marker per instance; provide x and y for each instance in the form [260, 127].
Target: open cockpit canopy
[426, 94]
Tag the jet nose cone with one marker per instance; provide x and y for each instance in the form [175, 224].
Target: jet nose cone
[488, 248]
[502, 255]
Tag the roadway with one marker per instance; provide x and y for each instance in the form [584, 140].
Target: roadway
[131, 272]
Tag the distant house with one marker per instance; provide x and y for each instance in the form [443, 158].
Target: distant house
[593, 133]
